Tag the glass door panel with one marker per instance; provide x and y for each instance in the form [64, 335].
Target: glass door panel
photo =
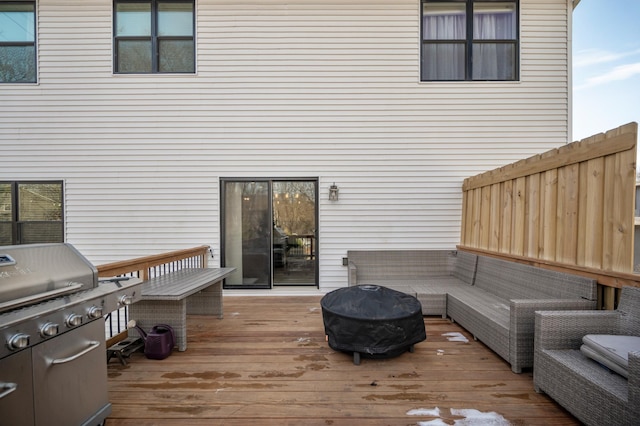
[294, 232]
[247, 234]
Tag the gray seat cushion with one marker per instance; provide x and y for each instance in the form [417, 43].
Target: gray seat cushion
[611, 351]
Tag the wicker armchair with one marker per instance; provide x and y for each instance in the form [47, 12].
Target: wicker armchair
[590, 392]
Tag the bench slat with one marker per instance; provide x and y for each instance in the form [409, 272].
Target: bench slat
[180, 284]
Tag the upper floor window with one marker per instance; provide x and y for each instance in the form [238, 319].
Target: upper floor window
[155, 36]
[31, 212]
[17, 42]
[469, 40]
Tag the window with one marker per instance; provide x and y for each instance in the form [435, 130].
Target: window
[17, 42]
[469, 40]
[31, 212]
[154, 36]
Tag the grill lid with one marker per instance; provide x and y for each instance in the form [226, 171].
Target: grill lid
[34, 272]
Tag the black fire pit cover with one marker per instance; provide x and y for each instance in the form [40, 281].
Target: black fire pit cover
[372, 320]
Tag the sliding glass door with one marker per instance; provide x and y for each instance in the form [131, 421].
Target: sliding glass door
[269, 232]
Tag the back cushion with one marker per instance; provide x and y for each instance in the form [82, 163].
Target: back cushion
[407, 264]
[465, 267]
[511, 280]
[629, 309]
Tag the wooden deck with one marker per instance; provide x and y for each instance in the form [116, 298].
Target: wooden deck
[267, 363]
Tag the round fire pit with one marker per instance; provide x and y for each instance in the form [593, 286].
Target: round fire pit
[372, 321]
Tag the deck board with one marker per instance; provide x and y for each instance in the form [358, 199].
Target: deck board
[267, 363]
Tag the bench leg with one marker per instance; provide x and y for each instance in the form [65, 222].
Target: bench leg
[148, 313]
[207, 301]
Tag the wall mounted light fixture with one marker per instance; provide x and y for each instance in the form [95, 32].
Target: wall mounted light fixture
[333, 192]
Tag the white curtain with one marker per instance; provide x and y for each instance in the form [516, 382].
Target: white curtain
[445, 27]
[444, 61]
[493, 61]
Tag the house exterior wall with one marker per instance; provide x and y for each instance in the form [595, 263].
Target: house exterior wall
[299, 88]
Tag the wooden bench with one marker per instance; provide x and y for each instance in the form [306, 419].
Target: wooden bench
[168, 299]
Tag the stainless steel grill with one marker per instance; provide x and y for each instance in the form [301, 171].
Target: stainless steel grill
[53, 354]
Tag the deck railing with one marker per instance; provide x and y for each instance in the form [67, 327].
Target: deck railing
[302, 246]
[145, 268]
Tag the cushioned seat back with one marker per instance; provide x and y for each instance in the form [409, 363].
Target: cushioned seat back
[408, 264]
[465, 267]
[512, 280]
[629, 309]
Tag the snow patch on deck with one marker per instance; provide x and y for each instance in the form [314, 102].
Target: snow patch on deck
[456, 337]
[470, 417]
[433, 412]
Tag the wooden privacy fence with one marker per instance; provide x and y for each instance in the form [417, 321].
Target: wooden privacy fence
[570, 207]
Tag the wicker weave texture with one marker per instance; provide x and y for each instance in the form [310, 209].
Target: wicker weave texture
[522, 325]
[370, 266]
[484, 315]
[432, 294]
[465, 267]
[154, 312]
[493, 299]
[168, 298]
[590, 392]
[207, 301]
[424, 274]
[506, 294]
[512, 280]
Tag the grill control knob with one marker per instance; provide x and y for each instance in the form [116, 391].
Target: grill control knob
[49, 329]
[125, 300]
[74, 320]
[94, 312]
[18, 341]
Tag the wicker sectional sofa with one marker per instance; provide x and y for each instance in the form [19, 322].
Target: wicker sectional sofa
[410, 270]
[592, 393]
[493, 299]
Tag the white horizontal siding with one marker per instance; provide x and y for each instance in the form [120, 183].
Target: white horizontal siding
[283, 89]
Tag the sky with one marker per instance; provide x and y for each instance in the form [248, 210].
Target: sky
[606, 65]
